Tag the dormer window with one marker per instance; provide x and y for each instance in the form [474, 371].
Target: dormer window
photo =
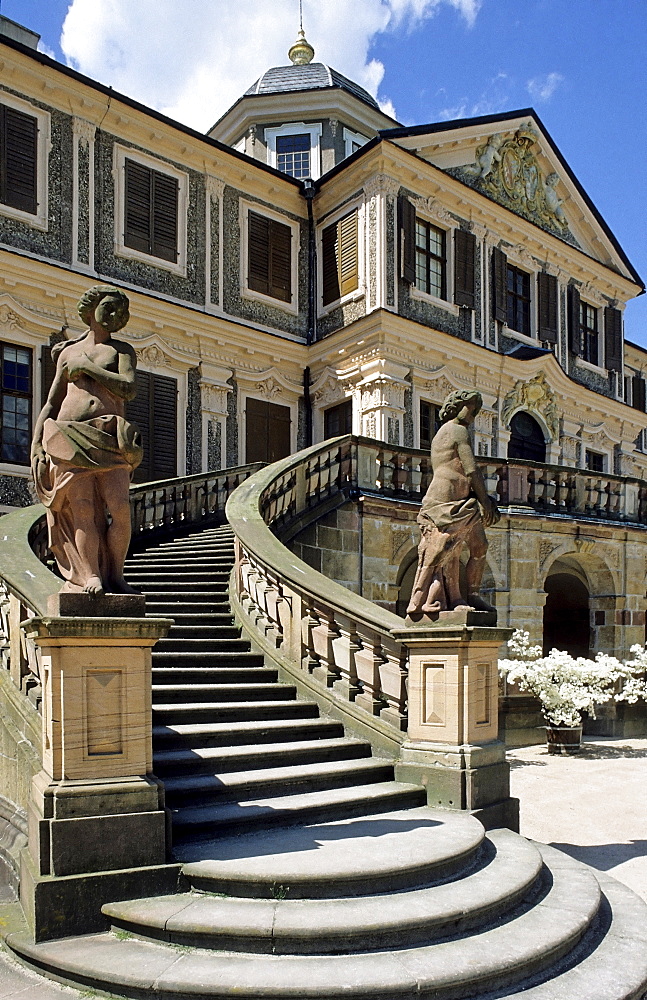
[294, 149]
[293, 154]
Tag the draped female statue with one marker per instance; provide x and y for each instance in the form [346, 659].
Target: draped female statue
[454, 512]
[84, 451]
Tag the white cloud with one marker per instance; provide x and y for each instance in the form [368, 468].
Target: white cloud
[542, 88]
[192, 59]
[494, 98]
[45, 49]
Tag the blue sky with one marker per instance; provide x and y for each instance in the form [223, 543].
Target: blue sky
[580, 63]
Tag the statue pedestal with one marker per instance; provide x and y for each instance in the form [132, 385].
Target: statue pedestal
[97, 824]
[452, 745]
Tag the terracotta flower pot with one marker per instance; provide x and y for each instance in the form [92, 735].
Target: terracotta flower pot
[564, 739]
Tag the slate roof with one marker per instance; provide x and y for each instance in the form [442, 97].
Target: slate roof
[313, 76]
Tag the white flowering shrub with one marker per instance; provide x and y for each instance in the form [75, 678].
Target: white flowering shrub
[567, 686]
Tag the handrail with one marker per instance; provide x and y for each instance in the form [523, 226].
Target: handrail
[23, 573]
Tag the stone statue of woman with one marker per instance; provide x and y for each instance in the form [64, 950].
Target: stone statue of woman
[84, 451]
[454, 512]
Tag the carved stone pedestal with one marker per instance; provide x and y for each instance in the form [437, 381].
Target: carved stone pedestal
[452, 746]
[97, 824]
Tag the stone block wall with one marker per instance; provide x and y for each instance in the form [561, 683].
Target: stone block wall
[20, 742]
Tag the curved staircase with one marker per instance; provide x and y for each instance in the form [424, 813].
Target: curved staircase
[307, 871]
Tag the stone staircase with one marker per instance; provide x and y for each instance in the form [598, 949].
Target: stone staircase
[307, 871]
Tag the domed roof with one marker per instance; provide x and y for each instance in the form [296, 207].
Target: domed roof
[311, 76]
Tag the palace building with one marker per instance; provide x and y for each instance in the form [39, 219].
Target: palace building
[310, 268]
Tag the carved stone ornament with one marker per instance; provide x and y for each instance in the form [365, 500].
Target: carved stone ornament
[329, 392]
[535, 395]
[9, 318]
[545, 550]
[215, 187]
[84, 130]
[153, 355]
[381, 184]
[507, 170]
[439, 388]
[214, 399]
[269, 388]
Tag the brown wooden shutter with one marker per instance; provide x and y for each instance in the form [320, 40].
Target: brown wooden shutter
[137, 223]
[18, 159]
[613, 339]
[267, 436]
[407, 239]
[464, 268]
[638, 393]
[574, 337]
[164, 213]
[330, 282]
[499, 285]
[547, 298]
[154, 410]
[348, 269]
[47, 372]
[280, 261]
[258, 253]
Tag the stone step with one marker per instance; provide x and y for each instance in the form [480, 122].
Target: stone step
[222, 619]
[184, 645]
[271, 782]
[218, 693]
[213, 675]
[162, 583]
[183, 604]
[218, 595]
[182, 630]
[552, 950]
[286, 810]
[237, 758]
[234, 711]
[221, 659]
[233, 734]
[462, 897]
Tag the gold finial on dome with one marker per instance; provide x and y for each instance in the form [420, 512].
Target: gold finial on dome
[302, 51]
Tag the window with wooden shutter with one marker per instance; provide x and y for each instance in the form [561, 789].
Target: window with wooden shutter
[18, 159]
[269, 257]
[338, 419]
[407, 239]
[547, 303]
[431, 271]
[573, 303]
[267, 436]
[613, 339]
[638, 393]
[15, 400]
[464, 268]
[339, 252]
[499, 291]
[154, 410]
[151, 211]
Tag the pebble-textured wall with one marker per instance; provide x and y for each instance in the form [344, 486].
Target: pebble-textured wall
[193, 423]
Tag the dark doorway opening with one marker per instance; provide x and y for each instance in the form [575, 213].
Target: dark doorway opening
[566, 615]
[526, 438]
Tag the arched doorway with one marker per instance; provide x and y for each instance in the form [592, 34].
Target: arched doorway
[526, 438]
[566, 613]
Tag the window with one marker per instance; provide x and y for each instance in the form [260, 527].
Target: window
[294, 148]
[15, 434]
[150, 210]
[267, 432]
[526, 438]
[430, 259]
[589, 333]
[269, 266]
[154, 410]
[338, 419]
[353, 141]
[293, 154]
[518, 300]
[339, 253]
[428, 423]
[594, 461]
[24, 147]
[150, 223]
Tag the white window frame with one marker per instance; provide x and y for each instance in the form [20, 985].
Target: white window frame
[296, 128]
[582, 362]
[121, 154]
[418, 293]
[246, 292]
[40, 220]
[350, 138]
[360, 292]
[606, 460]
[532, 337]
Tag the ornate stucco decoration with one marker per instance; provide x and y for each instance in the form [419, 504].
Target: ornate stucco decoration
[213, 399]
[9, 318]
[330, 391]
[381, 184]
[269, 388]
[434, 208]
[153, 355]
[215, 187]
[439, 388]
[84, 130]
[507, 169]
[535, 396]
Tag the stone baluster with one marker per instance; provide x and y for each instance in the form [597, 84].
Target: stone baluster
[368, 661]
[346, 645]
[393, 683]
[309, 623]
[323, 638]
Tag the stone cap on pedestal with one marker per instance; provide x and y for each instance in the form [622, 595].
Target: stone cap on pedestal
[96, 605]
[135, 631]
[421, 635]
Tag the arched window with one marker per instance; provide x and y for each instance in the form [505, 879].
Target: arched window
[526, 438]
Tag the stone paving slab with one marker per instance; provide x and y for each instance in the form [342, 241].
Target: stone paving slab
[592, 805]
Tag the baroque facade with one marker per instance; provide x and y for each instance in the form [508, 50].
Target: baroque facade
[310, 268]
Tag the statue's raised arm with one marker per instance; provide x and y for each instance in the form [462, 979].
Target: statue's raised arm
[84, 451]
[454, 512]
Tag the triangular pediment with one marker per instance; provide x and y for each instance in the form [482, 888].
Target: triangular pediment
[514, 162]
